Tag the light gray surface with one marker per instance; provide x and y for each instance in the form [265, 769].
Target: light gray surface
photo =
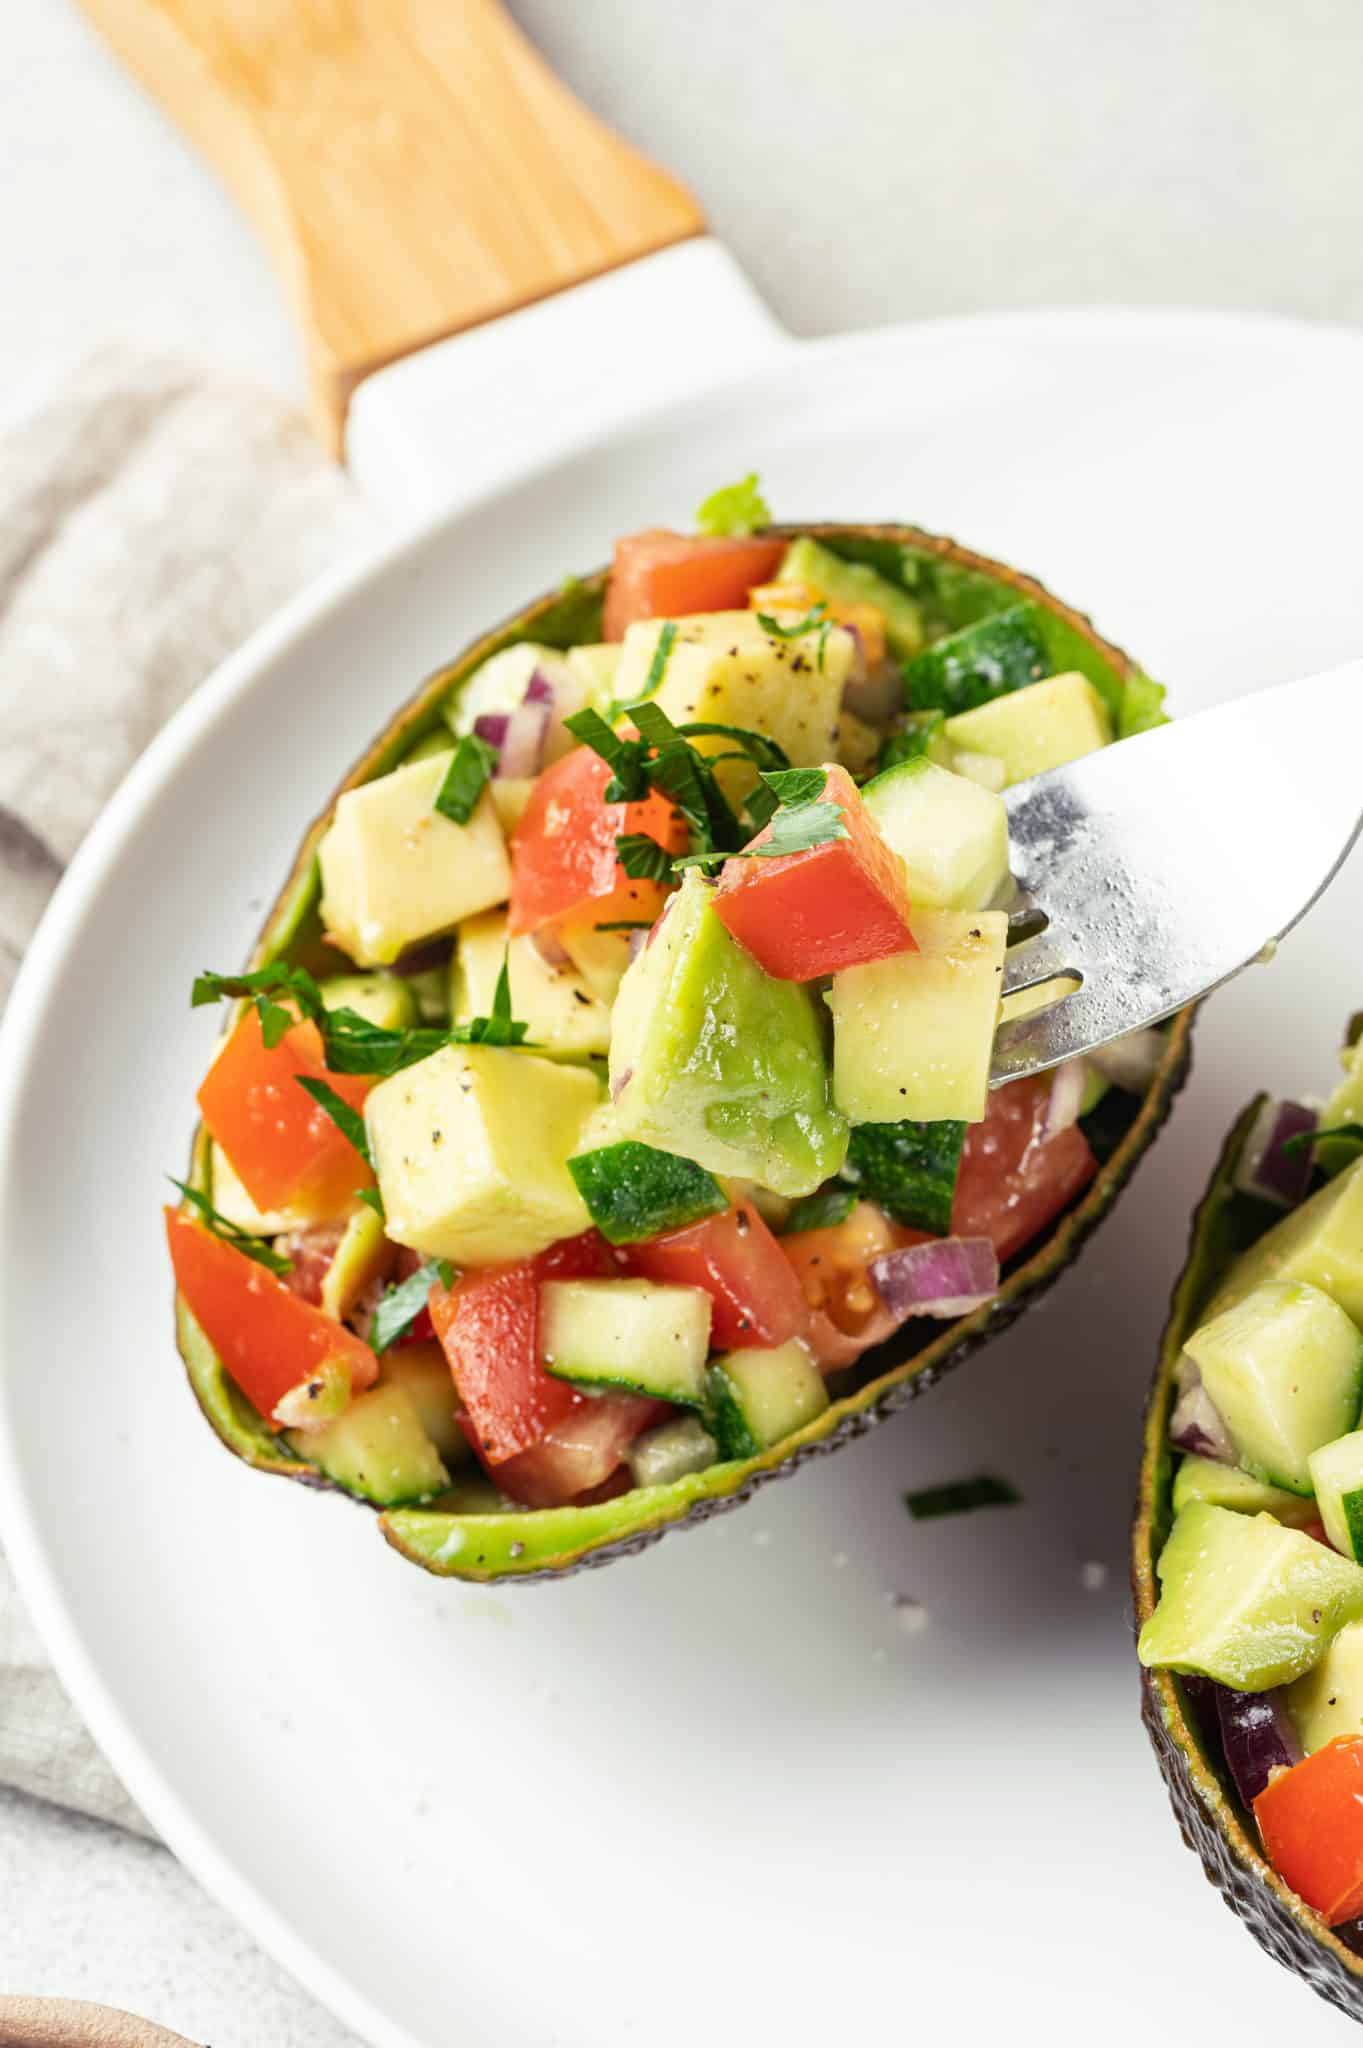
[868, 161]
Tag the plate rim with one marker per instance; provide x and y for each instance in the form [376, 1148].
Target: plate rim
[233, 680]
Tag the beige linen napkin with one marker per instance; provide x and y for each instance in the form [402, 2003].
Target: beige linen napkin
[151, 514]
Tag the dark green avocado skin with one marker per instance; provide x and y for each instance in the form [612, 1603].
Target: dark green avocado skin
[1210, 1818]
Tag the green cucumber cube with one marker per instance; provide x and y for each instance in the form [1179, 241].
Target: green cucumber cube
[377, 1449]
[755, 1398]
[1245, 1601]
[1040, 727]
[642, 1336]
[1284, 1367]
[635, 1191]
[978, 663]
[1226, 1486]
[1337, 1477]
[383, 999]
[951, 835]
[671, 1451]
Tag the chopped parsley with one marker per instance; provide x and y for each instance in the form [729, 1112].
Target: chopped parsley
[240, 1240]
[961, 1498]
[735, 510]
[348, 1121]
[1351, 1134]
[662, 654]
[816, 620]
[642, 859]
[470, 770]
[400, 1306]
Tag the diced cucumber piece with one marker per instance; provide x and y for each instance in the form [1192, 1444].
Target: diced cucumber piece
[1344, 1107]
[384, 999]
[378, 1449]
[1337, 1476]
[639, 1335]
[564, 1019]
[825, 1209]
[1328, 1702]
[951, 835]
[979, 663]
[671, 1451]
[755, 1398]
[362, 1254]
[909, 1168]
[913, 1035]
[423, 1372]
[1040, 727]
[1322, 1242]
[1226, 1486]
[635, 1191]
[805, 561]
[1245, 1601]
[1284, 1369]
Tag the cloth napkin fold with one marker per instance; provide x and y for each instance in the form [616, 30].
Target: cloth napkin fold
[151, 514]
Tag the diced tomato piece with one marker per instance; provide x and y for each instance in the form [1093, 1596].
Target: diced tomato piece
[563, 864]
[662, 575]
[1311, 1819]
[831, 1265]
[836, 905]
[735, 1258]
[488, 1325]
[268, 1338]
[581, 1452]
[285, 1148]
[1013, 1180]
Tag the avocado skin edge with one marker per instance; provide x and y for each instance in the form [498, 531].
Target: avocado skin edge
[1210, 1818]
[293, 927]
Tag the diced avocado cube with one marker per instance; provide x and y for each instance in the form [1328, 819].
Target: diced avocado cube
[1328, 1702]
[755, 1398]
[1337, 1478]
[979, 663]
[600, 957]
[986, 771]
[361, 1256]
[639, 1336]
[951, 835]
[1320, 1242]
[595, 668]
[818, 568]
[231, 1201]
[565, 1019]
[724, 668]
[1226, 1486]
[471, 1147]
[423, 1372]
[395, 872]
[1284, 1369]
[383, 999]
[858, 744]
[715, 1060]
[913, 1035]
[1344, 1107]
[1040, 727]
[635, 1192]
[1245, 1601]
[377, 1449]
[510, 794]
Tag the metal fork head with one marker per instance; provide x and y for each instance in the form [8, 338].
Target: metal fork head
[1165, 865]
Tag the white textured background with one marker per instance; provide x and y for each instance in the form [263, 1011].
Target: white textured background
[868, 160]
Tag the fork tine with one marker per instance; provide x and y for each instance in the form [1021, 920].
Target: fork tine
[1050, 953]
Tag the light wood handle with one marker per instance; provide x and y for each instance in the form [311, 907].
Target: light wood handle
[412, 165]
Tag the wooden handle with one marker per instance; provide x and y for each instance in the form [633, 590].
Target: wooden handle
[412, 165]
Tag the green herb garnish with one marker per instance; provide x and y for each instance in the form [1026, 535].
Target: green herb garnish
[641, 857]
[240, 1240]
[627, 924]
[400, 1306]
[1304, 1140]
[372, 1199]
[262, 987]
[348, 1121]
[735, 510]
[822, 1210]
[959, 1499]
[662, 654]
[466, 778]
[787, 801]
[815, 617]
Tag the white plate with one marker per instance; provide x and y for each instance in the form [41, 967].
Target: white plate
[720, 1790]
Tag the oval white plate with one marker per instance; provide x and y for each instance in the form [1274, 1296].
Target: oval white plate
[729, 1788]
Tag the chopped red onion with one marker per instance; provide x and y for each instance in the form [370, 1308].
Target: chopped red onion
[539, 689]
[1265, 1168]
[1257, 1738]
[1196, 1426]
[491, 726]
[1130, 1062]
[948, 1277]
[1066, 1098]
[522, 751]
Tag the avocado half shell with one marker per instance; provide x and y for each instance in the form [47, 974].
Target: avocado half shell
[1213, 1823]
[954, 587]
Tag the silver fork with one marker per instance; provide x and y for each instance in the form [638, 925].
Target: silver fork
[1155, 870]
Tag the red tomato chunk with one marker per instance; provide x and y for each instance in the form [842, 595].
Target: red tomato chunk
[661, 575]
[563, 864]
[734, 1257]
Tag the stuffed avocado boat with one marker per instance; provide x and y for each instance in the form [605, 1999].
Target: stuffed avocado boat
[1248, 1542]
[603, 1123]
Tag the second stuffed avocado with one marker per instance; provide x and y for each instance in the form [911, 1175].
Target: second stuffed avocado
[1248, 1543]
[604, 1122]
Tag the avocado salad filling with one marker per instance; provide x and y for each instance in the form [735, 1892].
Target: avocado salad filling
[1260, 1607]
[617, 1073]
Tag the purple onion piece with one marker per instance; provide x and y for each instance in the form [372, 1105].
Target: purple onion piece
[1257, 1738]
[1066, 1098]
[539, 689]
[491, 726]
[1265, 1169]
[948, 1277]
[523, 746]
[1196, 1426]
